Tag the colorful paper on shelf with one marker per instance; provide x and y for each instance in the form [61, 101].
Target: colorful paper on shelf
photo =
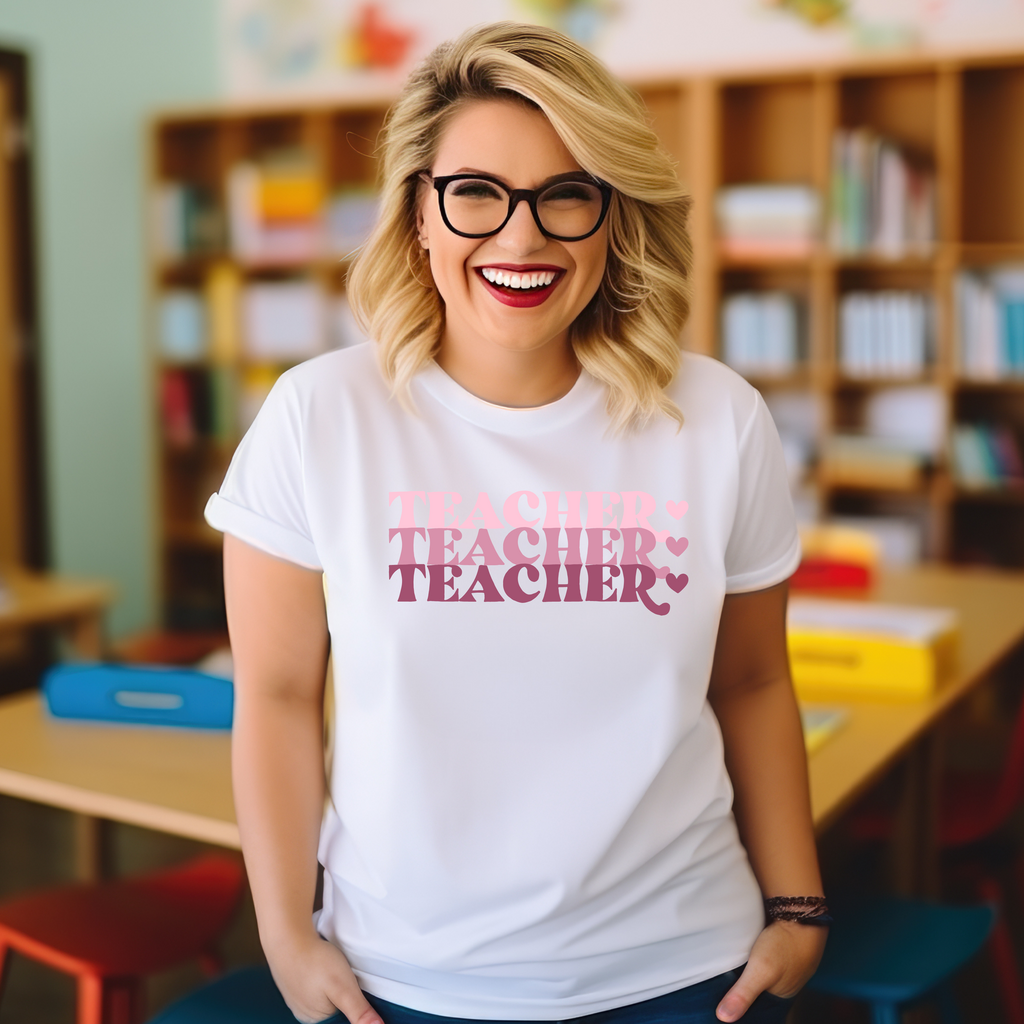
[859, 648]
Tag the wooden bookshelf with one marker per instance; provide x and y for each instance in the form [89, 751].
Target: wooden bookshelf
[962, 117]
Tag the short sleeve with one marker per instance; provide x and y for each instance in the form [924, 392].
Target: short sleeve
[262, 498]
[764, 546]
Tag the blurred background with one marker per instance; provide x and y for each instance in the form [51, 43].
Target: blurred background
[182, 186]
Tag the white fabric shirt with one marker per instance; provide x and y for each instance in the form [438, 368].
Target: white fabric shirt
[530, 816]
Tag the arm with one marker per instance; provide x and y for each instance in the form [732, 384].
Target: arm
[279, 640]
[752, 696]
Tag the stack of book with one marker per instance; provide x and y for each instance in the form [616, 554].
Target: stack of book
[181, 313]
[760, 333]
[768, 221]
[883, 201]
[856, 460]
[275, 209]
[188, 221]
[859, 648]
[835, 557]
[284, 321]
[351, 216]
[990, 310]
[884, 334]
[986, 457]
[197, 404]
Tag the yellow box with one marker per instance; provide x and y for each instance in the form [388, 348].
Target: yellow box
[862, 649]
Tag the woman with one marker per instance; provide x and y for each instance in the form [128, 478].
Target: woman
[555, 555]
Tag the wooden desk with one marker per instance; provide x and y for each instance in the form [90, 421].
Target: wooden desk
[170, 780]
[178, 781]
[75, 607]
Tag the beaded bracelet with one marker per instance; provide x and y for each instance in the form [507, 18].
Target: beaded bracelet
[811, 910]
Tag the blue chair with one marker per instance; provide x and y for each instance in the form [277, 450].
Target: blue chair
[246, 996]
[892, 953]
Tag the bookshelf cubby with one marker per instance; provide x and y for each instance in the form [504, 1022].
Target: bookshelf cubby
[953, 124]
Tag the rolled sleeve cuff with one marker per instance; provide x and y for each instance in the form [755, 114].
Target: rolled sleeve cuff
[761, 579]
[268, 536]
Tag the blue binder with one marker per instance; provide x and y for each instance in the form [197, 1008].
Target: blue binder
[141, 695]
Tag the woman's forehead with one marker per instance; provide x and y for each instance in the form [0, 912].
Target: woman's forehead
[504, 138]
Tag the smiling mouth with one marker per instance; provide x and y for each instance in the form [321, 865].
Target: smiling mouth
[527, 280]
[521, 287]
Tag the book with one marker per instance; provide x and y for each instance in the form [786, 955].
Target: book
[990, 322]
[182, 325]
[188, 220]
[760, 332]
[882, 197]
[351, 216]
[284, 321]
[768, 220]
[275, 208]
[222, 289]
[860, 648]
[885, 334]
[854, 460]
[985, 456]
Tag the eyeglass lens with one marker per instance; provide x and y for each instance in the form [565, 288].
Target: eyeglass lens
[476, 206]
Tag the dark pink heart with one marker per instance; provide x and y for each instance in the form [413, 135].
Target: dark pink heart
[677, 582]
[676, 509]
[677, 545]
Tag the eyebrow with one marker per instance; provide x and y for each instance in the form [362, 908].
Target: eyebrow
[579, 175]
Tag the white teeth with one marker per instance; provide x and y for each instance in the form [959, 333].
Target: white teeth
[536, 279]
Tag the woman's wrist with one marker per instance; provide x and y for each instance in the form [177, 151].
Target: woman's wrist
[805, 910]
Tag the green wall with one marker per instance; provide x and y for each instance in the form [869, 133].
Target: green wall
[99, 69]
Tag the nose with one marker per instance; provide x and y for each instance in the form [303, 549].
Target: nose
[521, 235]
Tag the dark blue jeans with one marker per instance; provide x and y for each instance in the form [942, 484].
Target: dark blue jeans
[693, 1005]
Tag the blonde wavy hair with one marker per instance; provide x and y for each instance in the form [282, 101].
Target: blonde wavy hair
[628, 336]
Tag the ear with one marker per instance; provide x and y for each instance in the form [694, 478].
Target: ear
[421, 226]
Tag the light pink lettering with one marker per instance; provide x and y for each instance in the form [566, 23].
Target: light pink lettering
[485, 512]
[596, 508]
[407, 501]
[511, 508]
[552, 499]
[440, 506]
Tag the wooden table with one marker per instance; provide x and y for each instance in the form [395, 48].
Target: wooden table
[178, 781]
[879, 733]
[74, 607]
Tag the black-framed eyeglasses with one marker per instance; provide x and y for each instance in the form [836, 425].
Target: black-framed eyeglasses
[567, 208]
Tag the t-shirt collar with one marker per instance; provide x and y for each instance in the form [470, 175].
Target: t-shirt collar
[584, 395]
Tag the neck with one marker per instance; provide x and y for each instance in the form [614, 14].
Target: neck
[509, 377]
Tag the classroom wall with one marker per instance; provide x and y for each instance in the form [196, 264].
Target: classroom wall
[99, 69]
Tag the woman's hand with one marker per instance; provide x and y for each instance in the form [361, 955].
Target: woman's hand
[783, 958]
[316, 981]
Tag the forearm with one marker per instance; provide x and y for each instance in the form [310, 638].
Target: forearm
[277, 764]
[764, 753]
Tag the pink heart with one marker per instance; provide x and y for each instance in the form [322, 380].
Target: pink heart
[677, 545]
[676, 509]
[677, 582]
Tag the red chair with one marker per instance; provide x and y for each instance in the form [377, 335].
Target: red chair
[973, 807]
[111, 934]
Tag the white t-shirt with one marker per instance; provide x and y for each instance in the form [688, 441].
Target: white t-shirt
[530, 816]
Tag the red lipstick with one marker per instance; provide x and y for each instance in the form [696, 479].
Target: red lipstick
[515, 296]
